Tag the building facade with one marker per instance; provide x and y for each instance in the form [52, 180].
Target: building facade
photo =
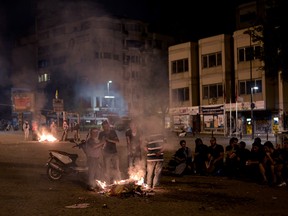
[184, 86]
[235, 94]
[98, 65]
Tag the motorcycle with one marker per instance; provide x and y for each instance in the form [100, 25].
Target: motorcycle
[61, 163]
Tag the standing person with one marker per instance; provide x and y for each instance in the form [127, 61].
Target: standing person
[215, 162]
[65, 131]
[35, 129]
[76, 128]
[94, 158]
[53, 128]
[134, 143]
[239, 126]
[26, 129]
[155, 160]
[110, 154]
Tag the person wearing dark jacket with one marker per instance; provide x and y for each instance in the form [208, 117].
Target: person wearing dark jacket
[182, 160]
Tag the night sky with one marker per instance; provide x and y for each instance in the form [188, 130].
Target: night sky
[186, 20]
[190, 20]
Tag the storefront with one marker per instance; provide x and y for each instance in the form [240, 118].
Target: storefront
[213, 118]
[239, 118]
[185, 118]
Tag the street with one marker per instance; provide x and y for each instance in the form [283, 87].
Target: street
[26, 190]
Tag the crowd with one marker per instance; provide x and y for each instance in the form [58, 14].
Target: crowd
[264, 163]
[36, 130]
[103, 158]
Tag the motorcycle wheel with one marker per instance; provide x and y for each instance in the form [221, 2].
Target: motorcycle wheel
[54, 174]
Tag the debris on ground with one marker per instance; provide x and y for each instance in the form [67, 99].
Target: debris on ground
[80, 205]
[126, 189]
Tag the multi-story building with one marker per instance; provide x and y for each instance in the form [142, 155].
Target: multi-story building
[235, 95]
[200, 79]
[183, 85]
[216, 81]
[99, 64]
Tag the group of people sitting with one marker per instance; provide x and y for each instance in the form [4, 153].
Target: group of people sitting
[264, 163]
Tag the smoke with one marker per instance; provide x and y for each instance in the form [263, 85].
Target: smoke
[93, 57]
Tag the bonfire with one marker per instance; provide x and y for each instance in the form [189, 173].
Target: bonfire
[129, 187]
[46, 136]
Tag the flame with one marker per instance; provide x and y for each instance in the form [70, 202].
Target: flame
[135, 177]
[46, 137]
[101, 184]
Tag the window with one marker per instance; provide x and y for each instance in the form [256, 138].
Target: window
[58, 31]
[43, 49]
[212, 91]
[248, 16]
[43, 35]
[211, 60]
[249, 53]
[180, 66]
[133, 27]
[43, 77]
[115, 57]
[85, 25]
[43, 63]
[134, 75]
[134, 43]
[246, 85]
[59, 60]
[58, 46]
[107, 55]
[180, 95]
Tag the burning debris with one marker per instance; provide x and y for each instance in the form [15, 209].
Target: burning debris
[46, 137]
[124, 188]
[129, 187]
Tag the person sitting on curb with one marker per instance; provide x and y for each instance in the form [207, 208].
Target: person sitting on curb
[215, 158]
[182, 160]
[200, 156]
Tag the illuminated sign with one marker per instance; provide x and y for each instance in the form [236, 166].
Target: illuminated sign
[22, 100]
[58, 105]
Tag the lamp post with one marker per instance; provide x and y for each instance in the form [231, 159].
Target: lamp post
[108, 85]
[252, 108]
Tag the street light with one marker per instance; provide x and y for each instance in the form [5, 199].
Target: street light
[252, 108]
[108, 90]
[108, 85]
